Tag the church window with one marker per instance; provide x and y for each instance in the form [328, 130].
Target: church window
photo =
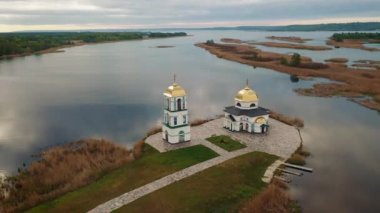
[238, 104]
[175, 120]
[179, 105]
[253, 105]
[184, 119]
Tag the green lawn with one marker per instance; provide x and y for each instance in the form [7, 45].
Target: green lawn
[151, 166]
[225, 142]
[221, 188]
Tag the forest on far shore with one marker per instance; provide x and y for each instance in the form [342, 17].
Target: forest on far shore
[28, 43]
[356, 36]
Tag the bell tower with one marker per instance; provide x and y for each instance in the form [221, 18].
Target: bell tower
[175, 127]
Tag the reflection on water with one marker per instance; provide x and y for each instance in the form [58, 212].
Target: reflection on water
[115, 90]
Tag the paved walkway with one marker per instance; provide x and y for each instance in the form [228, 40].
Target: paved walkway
[282, 140]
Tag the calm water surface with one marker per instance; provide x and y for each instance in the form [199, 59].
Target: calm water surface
[115, 90]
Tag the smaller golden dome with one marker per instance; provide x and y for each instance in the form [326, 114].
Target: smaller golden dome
[261, 120]
[246, 95]
[175, 90]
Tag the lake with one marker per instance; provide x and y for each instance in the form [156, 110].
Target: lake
[114, 91]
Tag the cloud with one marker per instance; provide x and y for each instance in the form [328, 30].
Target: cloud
[152, 13]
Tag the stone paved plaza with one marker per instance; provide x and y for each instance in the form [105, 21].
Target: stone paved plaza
[281, 140]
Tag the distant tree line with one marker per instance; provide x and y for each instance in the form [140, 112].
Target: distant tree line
[356, 35]
[26, 43]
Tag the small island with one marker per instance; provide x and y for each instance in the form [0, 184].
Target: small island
[292, 46]
[354, 40]
[294, 39]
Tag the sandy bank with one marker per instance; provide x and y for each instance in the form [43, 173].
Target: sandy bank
[292, 46]
[231, 40]
[289, 39]
[337, 60]
[355, 82]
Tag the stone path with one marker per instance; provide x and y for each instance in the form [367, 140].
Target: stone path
[268, 175]
[282, 140]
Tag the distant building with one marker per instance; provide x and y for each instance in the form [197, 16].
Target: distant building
[246, 115]
[175, 128]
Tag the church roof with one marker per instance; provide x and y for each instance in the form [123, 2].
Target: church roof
[246, 95]
[175, 90]
[247, 112]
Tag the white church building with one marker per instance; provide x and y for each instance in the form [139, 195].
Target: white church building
[175, 127]
[246, 115]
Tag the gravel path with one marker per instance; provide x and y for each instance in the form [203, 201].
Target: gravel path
[282, 140]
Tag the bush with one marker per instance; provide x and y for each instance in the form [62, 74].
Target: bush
[295, 61]
[283, 61]
[297, 159]
[154, 131]
[272, 199]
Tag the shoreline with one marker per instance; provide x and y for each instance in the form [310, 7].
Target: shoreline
[354, 83]
[59, 48]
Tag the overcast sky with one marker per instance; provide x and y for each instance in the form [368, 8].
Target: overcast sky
[116, 14]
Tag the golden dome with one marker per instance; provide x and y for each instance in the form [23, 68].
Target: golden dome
[260, 120]
[246, 95]
[175, 90]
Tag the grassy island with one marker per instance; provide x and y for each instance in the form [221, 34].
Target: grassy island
[354, 40]
[21, 44]
[289, 39]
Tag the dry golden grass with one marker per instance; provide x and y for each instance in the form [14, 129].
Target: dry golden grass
[297, 159]
[297, 122]
[154, 130]
[274, 199]
[198, 122]
[64, 168]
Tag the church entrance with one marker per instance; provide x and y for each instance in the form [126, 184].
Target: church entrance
[181, 136]
[241, 127]
[263, 128]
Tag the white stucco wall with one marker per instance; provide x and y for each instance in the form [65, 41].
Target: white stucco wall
[173, 134]
[244, 120]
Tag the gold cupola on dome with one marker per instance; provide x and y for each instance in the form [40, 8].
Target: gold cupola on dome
[175, 90]
[246, 95]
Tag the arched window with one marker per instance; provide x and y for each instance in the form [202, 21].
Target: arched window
[238, 104]
[252, 105]
[184, 119]
[179, 106]
[175, 120]
[168, 104]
